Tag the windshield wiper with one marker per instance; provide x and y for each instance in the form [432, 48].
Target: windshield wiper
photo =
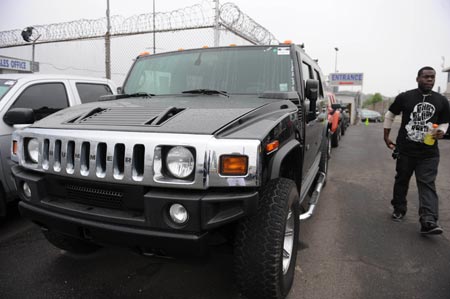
[206, 91]
[125, 95]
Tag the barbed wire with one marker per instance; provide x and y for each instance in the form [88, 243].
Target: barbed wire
[237, 21]
[192, 17]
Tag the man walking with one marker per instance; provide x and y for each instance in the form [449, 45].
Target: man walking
[420, 108]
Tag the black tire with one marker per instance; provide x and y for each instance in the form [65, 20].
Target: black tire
[70, 244]
[259, 244]
[336, 137]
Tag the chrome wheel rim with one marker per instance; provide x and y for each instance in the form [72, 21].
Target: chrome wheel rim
[288, 243]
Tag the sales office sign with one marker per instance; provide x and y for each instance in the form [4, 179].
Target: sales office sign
[15, 64]
[337, 79]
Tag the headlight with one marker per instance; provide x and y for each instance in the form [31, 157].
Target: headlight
[33, 149]
[180, 162]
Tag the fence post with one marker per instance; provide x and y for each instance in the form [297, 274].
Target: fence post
[216, 25]
[108, 43]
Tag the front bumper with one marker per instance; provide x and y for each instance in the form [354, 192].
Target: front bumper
[127, 215]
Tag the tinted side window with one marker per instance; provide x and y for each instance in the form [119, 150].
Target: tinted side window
[306, 70]
[44, 99]
[320, 83]
[90, 92]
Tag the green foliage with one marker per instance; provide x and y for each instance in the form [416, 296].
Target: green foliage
[377, 97]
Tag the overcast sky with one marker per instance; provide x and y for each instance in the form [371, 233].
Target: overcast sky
[387, 40]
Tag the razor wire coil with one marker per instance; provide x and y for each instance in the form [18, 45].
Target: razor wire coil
[196, 16]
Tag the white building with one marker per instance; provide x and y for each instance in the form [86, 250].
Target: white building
[447, 91]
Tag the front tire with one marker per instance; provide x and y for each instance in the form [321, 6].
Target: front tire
[70, 244]
[266, 244]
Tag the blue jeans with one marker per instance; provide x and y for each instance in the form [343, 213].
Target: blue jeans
[425, 170]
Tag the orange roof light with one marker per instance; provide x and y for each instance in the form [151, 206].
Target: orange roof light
[144, 53]
[273, 146]
[232, 45]
[204, 47]
[180, 49]
[233, 165]
[287, 42]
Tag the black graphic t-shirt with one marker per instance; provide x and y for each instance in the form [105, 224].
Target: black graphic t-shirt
[419, 112]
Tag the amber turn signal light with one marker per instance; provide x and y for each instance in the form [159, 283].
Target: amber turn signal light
[270, 147]
[233, 165]
[15, 147]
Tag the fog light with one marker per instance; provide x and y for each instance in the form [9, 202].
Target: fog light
[178, 214]
[26, 190]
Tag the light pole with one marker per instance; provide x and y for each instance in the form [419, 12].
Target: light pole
[335, 60]
[27, 35]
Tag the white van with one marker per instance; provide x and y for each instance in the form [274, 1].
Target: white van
[41, 95]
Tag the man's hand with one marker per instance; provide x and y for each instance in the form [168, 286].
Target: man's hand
[438, 134]
[389, 143]
[387, 140]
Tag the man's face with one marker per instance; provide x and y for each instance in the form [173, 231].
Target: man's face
[426, 80]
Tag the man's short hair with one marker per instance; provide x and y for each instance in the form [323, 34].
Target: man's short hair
[425, 68]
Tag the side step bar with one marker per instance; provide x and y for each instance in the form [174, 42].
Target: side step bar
[314, 197]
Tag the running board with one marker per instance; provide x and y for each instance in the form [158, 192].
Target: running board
[314, 197]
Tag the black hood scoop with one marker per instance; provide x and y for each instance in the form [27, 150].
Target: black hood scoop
[126, 116]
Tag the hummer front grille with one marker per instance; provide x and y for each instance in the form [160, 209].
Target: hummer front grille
[99, 158]
[135, 158]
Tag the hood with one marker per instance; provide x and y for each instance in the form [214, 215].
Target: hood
[198, 114]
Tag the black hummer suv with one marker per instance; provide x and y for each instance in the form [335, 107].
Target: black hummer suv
[201, 142]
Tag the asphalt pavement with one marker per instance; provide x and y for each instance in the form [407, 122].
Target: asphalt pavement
[350, 248]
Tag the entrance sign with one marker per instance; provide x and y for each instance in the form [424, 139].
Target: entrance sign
[337, 79]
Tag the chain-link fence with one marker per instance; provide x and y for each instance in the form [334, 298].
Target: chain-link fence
[78, 47]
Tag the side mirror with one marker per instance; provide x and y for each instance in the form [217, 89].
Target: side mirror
[312, 89]
[19, 116]
[119, 90]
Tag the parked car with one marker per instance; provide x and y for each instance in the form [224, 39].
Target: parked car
[39, 95]
[372, 116]
[212, 142]
[345, 117]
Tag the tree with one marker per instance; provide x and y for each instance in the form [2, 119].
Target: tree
[377, 97]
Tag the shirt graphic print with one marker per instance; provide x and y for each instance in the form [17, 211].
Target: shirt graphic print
[418, 124]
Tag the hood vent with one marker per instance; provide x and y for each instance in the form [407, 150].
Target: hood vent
[126, 116]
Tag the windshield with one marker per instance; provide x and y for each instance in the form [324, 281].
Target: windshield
[239, 70]
[370, 113]
[5, 85]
